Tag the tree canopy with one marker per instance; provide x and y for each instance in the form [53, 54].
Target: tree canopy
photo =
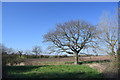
[72, 36]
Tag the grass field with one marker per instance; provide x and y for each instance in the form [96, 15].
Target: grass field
[51, 71]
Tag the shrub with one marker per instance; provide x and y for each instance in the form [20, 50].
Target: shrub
[55, 56]
[46, 56]
[65, 56]
[11, 59]
[5, 59]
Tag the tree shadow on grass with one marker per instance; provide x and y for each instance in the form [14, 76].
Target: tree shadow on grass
[56, 75]
[67, 75]
[110, 74]
[19, 69]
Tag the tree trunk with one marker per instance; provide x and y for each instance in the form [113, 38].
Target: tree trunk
[20, 55]
[113, 53]
[76, 59]
[36, 54]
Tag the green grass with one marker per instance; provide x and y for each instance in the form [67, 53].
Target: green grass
[51, 71]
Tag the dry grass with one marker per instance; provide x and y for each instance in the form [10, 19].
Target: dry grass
[108, 69]
[99, 66]
[111, 70]
[61, 61]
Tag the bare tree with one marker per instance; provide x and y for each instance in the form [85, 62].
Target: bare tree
[109, 39]
[27, 52]
[72, 37]
[37, 50]
[10, 50]
[20, 53]
[108, 26]
[3, 48]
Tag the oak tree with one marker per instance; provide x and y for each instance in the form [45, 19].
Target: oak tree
[72, 37]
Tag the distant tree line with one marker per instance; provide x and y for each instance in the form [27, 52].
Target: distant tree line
[12, 57]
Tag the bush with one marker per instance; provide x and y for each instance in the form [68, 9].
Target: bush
[45, 56]
[55, 56]
[64, 56]
[12, 59]
[32, 56]
[5, 59]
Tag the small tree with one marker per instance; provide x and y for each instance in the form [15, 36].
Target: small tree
[37, 50]
[72, 37]
[27, 52]
[20, 53]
